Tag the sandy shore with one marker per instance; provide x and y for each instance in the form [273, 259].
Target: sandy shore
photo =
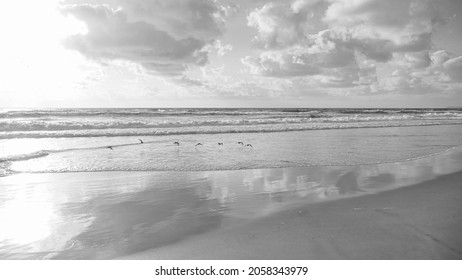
[423, 221]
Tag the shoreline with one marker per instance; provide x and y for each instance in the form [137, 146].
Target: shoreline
[239, 169]
[307, 149]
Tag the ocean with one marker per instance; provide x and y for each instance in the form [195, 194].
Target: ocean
[77, 140]
[64, 194]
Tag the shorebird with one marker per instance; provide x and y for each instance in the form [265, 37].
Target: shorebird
[249, 145]
[176, 143]
[240, 143]
[220, 144]
[141, 141]
[109, 147]
[198, 144]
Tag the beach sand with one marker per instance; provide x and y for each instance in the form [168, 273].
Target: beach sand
[422, 221]
[402, 210]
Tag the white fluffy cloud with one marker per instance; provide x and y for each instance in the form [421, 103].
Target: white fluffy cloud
[300, 60]
[447, 66]
[453, 68]
[282, 25]
[381, 28]
[292, 46]
[427, 68]
[165, 36]
[352, 38]
[315, 54]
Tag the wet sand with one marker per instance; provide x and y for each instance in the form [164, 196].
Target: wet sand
[423, 221]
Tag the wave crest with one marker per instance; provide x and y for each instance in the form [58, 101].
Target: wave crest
[21, 157]
[186, 130]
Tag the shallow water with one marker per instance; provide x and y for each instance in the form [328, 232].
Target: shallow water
[113, 214]
[278, 149]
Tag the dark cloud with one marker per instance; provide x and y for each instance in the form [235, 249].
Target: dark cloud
[202, 19]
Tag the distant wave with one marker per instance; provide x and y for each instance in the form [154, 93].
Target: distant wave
[44, 123]
[312, 118]
[68, 125]
[184, 130]
[139, 112]
[157, 112]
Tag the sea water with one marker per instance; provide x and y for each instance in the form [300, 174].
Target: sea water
[77, 140]
[65, 194]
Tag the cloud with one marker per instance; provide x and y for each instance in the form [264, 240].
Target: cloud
[201, 19]
[167, 37]
[446, 65]
[453, 67]
[417, 60]
[282, 25]
[292, 47]
[433, 68]
[425, 72]
[318, 55]
[220, 48]
[381, 28]
[293, 44]
[279, 65]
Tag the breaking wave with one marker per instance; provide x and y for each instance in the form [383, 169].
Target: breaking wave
[27, 156]
[184, 130]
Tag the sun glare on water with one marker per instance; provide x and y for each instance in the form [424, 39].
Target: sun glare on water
[26, 218]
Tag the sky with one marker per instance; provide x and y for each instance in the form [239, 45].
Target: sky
[231, 53]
